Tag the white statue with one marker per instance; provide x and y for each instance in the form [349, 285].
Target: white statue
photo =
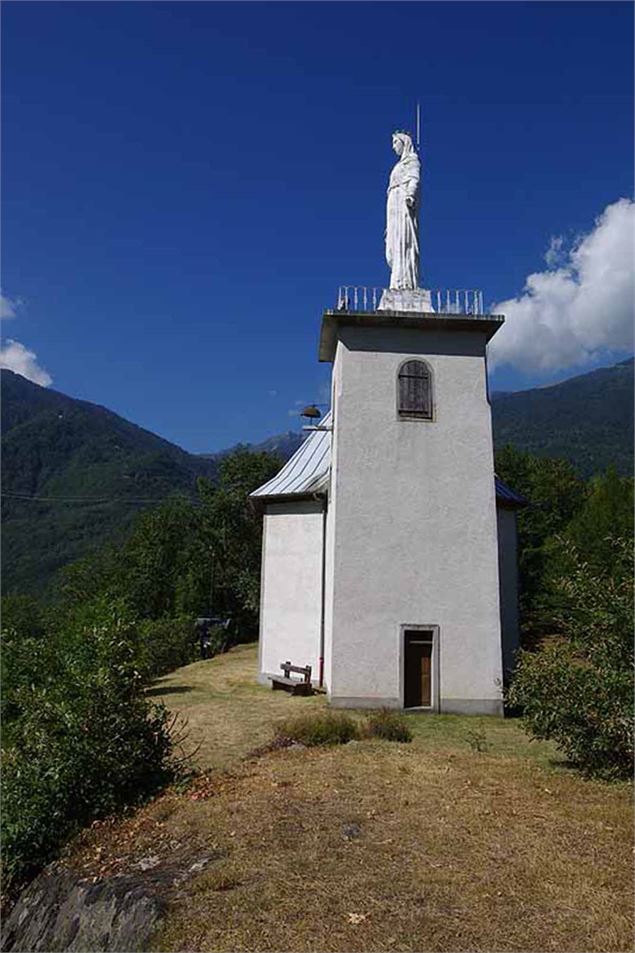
[402, 215]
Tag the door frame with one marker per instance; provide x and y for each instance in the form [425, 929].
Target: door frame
[435, 665]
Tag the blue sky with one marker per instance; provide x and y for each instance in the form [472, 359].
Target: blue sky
[187, 184]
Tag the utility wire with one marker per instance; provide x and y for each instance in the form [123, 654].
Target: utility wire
[86, 499]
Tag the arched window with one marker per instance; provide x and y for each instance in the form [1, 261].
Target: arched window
[414, 390]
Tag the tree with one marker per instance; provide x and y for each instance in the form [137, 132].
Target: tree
[555, 494]
[607, 512]
[187, 557]
[80, 739]
[158, 560]
[23, 615]
[232, 535]
[577, 687]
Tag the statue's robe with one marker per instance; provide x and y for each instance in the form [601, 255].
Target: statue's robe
[402, 223]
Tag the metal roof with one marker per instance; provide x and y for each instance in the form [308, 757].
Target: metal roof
[505, 496]
[307, 472]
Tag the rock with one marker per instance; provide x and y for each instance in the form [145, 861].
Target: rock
[60, 911]
[63, 910]
[147, 863]
[351, 831]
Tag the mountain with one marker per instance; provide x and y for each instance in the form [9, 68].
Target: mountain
[284, 444]
[90, 471]
[587, 420]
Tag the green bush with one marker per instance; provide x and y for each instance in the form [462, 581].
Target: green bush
[83, 741]
[389, 725]
[577, 688]
[166, 644]
[319, 728]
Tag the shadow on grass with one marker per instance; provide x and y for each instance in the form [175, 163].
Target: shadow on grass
[169, 690]
[562, 763]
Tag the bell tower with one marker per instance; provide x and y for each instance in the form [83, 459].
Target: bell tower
[389, 547]
[411, 584]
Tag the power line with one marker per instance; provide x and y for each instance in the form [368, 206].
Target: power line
[86, 499]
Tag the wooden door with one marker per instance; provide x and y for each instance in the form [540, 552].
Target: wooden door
[418, 670]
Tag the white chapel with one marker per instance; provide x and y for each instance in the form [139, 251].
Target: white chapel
[389, 558]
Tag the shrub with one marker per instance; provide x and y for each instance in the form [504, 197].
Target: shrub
[166, 644]
[577, 689]
[477, 740]
[319, 728]
[83, 742]
[389, 725]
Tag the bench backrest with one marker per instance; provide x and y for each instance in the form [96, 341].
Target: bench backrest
[299, 669]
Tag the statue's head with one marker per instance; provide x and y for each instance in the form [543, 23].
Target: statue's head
[402, 142]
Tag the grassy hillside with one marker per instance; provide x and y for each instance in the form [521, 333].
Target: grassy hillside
[435, 845]
[90, 471]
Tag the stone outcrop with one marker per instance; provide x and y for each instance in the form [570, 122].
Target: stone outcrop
[62, 910]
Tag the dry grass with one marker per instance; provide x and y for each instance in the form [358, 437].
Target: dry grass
[228, 713]
[454, 851]
[375, 846]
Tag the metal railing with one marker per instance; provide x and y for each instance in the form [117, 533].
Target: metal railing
[358, 298]
[468, 301]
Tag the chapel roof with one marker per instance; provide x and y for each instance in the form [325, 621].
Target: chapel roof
[307, 473]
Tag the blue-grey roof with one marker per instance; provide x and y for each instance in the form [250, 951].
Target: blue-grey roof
[307, 472]
[505, 496]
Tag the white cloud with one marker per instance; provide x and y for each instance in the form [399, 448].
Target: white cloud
[555, 256]
[16, 357]
[8, 306]
[580, 307]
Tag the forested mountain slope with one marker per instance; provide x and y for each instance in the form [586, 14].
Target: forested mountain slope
[90, 469]
[587, 420]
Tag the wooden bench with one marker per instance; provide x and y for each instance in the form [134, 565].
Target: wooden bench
[294, 685]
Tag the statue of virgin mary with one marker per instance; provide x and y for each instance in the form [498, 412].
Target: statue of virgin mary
[402, 215]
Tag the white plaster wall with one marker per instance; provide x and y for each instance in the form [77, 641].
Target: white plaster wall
[508, 572]
[415, 538]
[290, 601]
[329, 567]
